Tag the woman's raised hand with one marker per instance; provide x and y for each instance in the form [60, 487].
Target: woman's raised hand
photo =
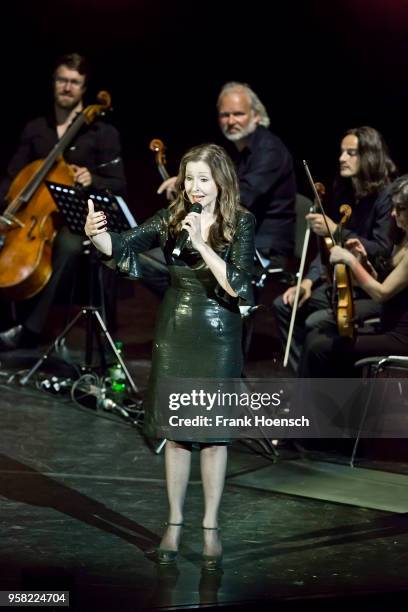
[95, 221]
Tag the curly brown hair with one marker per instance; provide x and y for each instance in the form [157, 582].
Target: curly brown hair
[223, 172]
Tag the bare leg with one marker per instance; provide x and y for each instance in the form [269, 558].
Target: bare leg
[213, 461]
[178, 461]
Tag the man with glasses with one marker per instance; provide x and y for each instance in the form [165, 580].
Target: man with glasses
[94, 156]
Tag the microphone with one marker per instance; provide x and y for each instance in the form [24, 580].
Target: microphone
[183, 235]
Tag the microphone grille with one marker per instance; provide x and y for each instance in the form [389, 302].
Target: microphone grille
[196, 207]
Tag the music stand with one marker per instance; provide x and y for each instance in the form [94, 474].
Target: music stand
[72, 204]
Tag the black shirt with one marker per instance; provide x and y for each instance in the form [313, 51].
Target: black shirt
[93, 147]
[268, 189]
[370, 222]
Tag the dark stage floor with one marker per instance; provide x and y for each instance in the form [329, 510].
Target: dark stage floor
[83, 496]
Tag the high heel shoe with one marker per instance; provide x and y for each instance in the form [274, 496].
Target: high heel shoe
[211, 563]
[166, 556]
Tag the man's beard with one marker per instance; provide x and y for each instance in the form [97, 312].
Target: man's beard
[241, 134]
[67, 104]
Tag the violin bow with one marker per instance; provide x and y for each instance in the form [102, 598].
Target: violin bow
[317, 199]
[302, 265]
[297, 294]
[299, 280]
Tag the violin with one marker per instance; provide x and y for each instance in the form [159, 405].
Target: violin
[29, 224]
[343, 287]
[324, 244]
[342, 295]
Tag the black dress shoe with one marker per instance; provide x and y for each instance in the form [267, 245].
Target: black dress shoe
[10, 339]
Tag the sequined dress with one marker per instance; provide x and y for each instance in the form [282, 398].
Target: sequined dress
[198, 329]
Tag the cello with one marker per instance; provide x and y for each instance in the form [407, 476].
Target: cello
[29, 224]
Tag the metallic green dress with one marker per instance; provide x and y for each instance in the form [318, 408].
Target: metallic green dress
[198, 330]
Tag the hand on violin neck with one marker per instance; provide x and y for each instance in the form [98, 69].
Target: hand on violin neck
[341, 255]
[318, 225]
[357, 248]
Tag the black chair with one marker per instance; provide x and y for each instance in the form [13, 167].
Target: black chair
[288, 275]
[376, 367]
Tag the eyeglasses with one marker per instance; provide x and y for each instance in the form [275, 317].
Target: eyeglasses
[64, 81]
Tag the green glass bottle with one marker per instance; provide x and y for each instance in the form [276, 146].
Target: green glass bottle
[117, 374]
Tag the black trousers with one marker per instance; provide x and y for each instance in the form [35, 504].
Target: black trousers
[67, 248]
[326, 355]
[316, 313]
[66, 257]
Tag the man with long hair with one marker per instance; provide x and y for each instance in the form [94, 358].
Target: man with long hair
[325, 353]
[365, 173]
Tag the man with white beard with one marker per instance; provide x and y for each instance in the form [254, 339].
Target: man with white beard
[264, 167]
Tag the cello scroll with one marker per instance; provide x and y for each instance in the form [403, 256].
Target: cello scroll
[92, 111]
[158, 147]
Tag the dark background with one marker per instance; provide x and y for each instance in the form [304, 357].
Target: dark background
[320, 67]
